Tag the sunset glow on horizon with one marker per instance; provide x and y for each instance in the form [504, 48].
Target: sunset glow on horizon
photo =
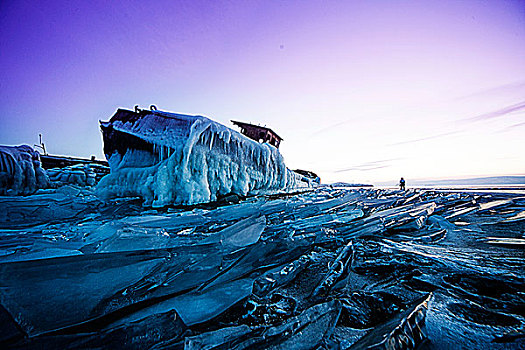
[361, 91]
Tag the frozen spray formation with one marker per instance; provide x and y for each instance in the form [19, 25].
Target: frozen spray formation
[21, 171]
[169, 158]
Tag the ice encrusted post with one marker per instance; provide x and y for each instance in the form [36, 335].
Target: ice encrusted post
[169, 158]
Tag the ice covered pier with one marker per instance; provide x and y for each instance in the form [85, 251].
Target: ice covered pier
[333, 268]
[24, 171]
[168, 158]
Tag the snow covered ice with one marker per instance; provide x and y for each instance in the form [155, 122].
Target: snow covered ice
[169, 158]
[20, 171]
[326, 268]
[79, 174]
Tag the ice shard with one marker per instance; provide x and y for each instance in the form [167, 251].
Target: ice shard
[406, 331]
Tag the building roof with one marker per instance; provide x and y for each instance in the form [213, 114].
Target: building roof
[249, 125]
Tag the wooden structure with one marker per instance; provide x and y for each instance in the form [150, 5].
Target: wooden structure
[48, 161]
[100, 167]
[259, 133]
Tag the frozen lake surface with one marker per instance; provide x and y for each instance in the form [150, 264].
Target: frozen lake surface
[331, 268]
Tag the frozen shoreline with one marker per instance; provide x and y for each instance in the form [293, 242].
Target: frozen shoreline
[76, 271]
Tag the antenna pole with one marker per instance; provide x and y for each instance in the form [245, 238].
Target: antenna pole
[41, 145]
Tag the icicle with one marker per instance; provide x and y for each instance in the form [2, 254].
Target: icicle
[211, 140]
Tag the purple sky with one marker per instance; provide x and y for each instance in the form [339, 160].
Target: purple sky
[360, 90]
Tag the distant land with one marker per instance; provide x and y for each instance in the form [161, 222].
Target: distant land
[346, 184]
[477, 181]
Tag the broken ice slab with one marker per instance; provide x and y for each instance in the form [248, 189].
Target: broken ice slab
[74, 289]
[336, 269]
[236, 212]
[440, 222]
[493, 204]
[207, 269]
[305, 331]
[466, 259]
[141, 334]
[385, 258]
[327, 219]
[259, 257]
[506, 242]
[186, 269]
[270, 310]
[405, 218]
[170, 222]
[413, 197]
[124, 236]
[197, 306]
[279, 276]
[401, 217]
[133, 237]
[57, 206]
[296, 225]
[327, 205]
[460, 211]
[405, 331]
[106, 282]
[364, 309]
[43, 249]
[240, 234]
[224, 337]
[514, 217]
[427, 235]
[302, 332]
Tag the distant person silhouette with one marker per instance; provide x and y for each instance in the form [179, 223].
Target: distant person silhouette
[402, 184]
